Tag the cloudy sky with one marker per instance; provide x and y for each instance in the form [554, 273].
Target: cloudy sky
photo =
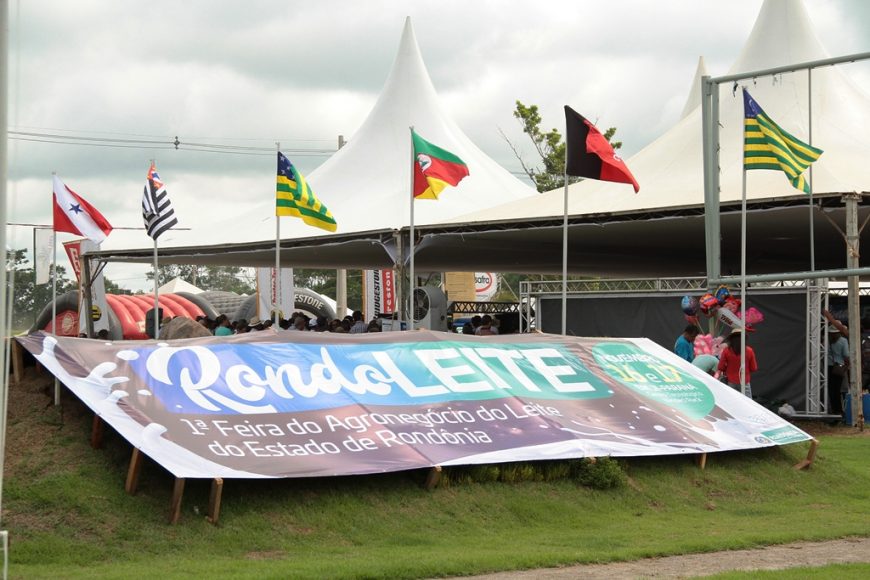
[249, 74]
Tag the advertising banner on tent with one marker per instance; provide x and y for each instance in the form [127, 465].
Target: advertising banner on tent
[267, 293]
[43, 248]
[74, 253]
[99, 307]
[485, 285]
[254, 405]
[379, 293]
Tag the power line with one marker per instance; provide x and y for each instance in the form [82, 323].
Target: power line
[169, 144]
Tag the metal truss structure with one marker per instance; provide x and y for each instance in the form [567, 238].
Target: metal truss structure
[816, 292]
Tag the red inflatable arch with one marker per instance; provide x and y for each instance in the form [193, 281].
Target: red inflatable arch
[129, 313]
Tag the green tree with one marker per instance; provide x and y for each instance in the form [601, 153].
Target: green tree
[549, 146]
[227, 278]
[28, 298]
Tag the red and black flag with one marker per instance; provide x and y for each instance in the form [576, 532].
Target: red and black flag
[590, 155]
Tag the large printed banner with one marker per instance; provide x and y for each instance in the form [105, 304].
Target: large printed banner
[255, 405]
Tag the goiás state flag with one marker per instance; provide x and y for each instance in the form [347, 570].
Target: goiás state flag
[157, 210]
[590, 155]
[434, 169]
[74, 215]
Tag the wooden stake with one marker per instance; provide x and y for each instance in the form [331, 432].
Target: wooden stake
[433, 478]
[97, 432]
[17, 361]
[133, 472]
[811, 455]
[214, 500]
[701, 460]
[175, 504]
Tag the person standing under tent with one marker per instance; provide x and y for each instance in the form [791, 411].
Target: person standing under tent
[838, 369]
[684, 347]
[838, 363]
[729, 362]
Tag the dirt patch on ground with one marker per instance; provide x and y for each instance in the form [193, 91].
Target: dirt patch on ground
[849, 550]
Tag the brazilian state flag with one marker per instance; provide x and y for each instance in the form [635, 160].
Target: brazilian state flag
[434, 169]
[767, 146]
[293, 197]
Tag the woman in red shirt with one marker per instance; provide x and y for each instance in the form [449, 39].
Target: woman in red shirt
[729, 362]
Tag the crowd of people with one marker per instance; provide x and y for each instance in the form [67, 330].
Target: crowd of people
[298, 321]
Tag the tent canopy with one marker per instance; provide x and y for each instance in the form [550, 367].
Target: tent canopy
[670, 169]
[613, 232]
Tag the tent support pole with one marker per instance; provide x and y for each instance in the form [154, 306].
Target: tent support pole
[701, 460]
[709, 117]
[853, 241]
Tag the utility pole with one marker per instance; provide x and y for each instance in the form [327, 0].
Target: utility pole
[852, 259]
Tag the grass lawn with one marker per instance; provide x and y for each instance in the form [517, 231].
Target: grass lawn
[68, 515]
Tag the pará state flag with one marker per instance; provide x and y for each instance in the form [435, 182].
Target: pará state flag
[74, 215]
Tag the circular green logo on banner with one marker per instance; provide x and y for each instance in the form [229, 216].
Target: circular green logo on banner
[653, 378]
[96, 313]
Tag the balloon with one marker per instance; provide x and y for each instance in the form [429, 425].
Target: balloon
[754, 316]
[707, 303]
[722, 294]
[732, 304]
[725, 315]
[689, 305]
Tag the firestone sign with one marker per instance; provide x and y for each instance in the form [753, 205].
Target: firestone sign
[255, 405]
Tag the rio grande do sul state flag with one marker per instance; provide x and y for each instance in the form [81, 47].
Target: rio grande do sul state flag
[434, 169]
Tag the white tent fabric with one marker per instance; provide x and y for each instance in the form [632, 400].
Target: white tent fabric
[694, 99]
[670, 169]
[178, 285]
[367, 183]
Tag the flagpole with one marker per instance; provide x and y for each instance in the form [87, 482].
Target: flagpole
[277, 260]
[812, 225]
[743, 292]
[156, 283]
[565, 249]
[54, 286]
[411, 281]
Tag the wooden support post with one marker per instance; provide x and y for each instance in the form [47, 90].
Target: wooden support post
[214, 500]
[175, 503]
[432, 478]
[97, 432]
[17, 361]
[811, 455]
[701, 460]
[133, 472]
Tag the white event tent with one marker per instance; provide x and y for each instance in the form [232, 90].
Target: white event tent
[366, 184]
[612, 230]
[670, 169]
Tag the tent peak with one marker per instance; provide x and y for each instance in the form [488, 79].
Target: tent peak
[783, 34]
[694, 99]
